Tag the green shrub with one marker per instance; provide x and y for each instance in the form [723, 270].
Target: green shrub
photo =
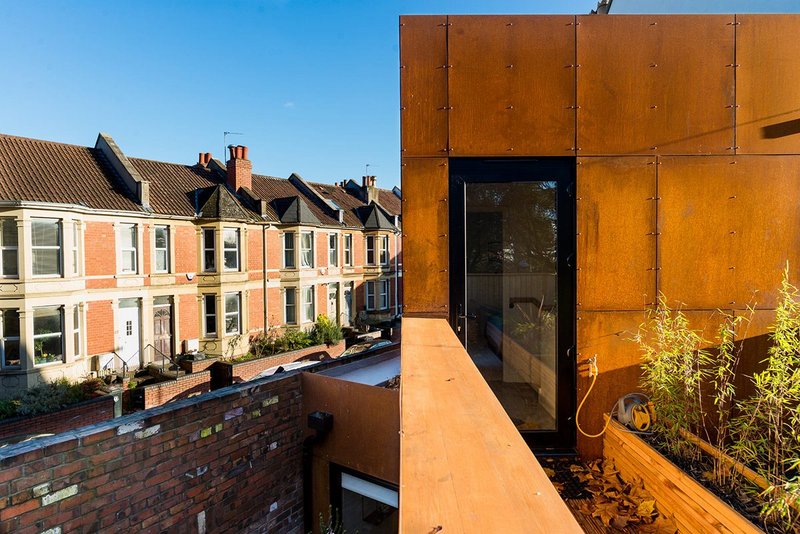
[50, 397]
[673, 369]
[269, 344]
[8, 408]
[326, 331]
[765, 433]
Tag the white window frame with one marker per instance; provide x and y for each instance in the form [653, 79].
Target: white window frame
[76, 331]
[303, 249]
[59, 334]
[369, 248]
[76, 247]
[369, 294]
[123, 248]
[4, 247]
[333, 249]
[235, 249]
[348, 250]
[308, 317]
[384, 249]
[164, 250]
[383, 294]
[209, 297]
[209, 245]
[289, 252]
[237, 313]
[60, 256]
[287, 305]
[4, 339]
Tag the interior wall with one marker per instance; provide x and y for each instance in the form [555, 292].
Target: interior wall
[687, 134]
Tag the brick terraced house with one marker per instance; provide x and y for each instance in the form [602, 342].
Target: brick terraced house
[107, 259]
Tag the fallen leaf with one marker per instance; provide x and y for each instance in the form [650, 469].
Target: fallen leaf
[549, 472]
[646, 508]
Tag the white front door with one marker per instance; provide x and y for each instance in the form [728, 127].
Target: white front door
[129, 335]
[333, 302]
[348, 304]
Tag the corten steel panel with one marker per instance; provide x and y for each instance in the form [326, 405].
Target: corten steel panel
[511, 85]
[768, 84]
[753, 341]
[609, 336]
[425, 244]
[423, 85]
[728, 229]
[697, 201]
[366, 424]
[655, 84]
[767, 224]
[616, 239]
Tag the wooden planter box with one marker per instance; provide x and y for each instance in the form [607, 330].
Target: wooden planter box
[678, 496]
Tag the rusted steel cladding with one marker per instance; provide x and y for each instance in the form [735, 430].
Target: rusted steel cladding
[425, 244]
[423, 85]
[727, 228]
[609, 335]
[511, 84]
[616, 205]
[650, 84]
[768, 84]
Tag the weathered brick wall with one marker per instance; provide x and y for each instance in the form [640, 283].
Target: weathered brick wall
[225, 460]
[101, 256]
[274, 306]
[274, 249]
[198, 365]
[255, 249]
[75, 416]
[255, 298]
[189, 318]
[186, 260]
[225, 373]
[99, 327]
[184, 387]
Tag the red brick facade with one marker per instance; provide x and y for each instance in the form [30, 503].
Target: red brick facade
[101, 253]
[100, 321]
[184, 387]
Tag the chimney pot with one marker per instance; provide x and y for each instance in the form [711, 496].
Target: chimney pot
[201, 158]
[244, 152]
[232, 150]
[240, 169]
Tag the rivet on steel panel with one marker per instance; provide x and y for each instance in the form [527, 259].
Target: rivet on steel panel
[731, 197]
[733, 23]
[443, 200]
[402, 108]
[653, 107]
[652, 65]
[442, 235]
[653, 198]
[445, 24]
[509, 107]
[732, 106]
[654, 24]
[511, 66]
[734, 65]
[653, 148]
[511, 149]
[732, 232]
[509, 24]
[442, 270]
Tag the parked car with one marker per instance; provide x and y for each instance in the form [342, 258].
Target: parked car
[367, 346]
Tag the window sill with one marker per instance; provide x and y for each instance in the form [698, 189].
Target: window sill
[48, 364]
[127, 275]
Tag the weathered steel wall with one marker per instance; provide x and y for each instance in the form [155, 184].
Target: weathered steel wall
[687, 136]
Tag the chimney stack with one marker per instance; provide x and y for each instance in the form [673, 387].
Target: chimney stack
[204, 158]
[240, 169]
[369, 189]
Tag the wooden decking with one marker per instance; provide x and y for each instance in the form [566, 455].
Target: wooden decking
[463, 465]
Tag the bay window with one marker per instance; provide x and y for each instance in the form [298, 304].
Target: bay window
[232, 313]
[384, 245]
[308, 304]
[333, 250]
[48, 329]
[290, 305]
[370, 250]
[210, 315]
[348, 249]
[230, 248]
[209, 250]
[46, 246]
[288, 250]
[306, 249]
[9, 339]
[9, 265]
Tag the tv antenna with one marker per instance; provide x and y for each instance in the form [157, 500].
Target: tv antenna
[225, 141]
[366, 168]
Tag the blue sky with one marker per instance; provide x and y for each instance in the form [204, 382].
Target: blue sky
[313, 85]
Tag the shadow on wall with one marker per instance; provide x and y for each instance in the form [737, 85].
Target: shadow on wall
[781, 129]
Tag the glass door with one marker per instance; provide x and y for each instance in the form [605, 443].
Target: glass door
[512, 289]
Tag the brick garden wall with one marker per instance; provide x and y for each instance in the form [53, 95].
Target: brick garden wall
[75, 416]
[225, 373]
[184, 387]
[216, 463]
